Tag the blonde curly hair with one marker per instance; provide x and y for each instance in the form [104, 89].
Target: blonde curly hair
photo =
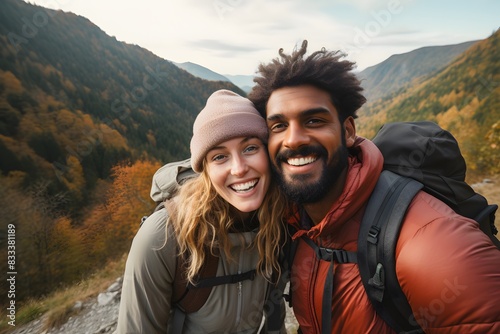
[202, 220]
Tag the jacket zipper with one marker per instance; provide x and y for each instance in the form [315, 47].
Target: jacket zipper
[247, 240]
[240, 294]
[240, 302]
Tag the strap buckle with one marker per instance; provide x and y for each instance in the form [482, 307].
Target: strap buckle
[373, 234]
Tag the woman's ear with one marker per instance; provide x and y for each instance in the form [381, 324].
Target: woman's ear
[349, 131]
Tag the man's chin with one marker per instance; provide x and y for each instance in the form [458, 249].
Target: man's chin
[301, 179]
[302, 192]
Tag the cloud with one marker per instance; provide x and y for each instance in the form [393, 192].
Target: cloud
[234, 36]
[223, 48]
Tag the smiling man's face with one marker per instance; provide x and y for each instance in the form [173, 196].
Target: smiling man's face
[307, 141]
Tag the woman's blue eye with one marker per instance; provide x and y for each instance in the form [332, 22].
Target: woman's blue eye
[251, 148]
[218, 157]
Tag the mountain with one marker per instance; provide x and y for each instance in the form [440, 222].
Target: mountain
[69, 90]
[244, 82]
[201, 72]
[399, 70]
[463, 97]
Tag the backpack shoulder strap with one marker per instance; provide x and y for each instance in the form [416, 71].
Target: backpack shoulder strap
[184, 296]
[378, 235]
[289, 250]
[187, 300]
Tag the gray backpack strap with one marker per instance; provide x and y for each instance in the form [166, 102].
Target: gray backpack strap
[378, 236]
[177, 321]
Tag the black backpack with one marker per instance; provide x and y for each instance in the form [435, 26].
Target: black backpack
[188, 297]
[417, 156]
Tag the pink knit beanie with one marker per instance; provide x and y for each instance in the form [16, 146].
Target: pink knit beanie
[226, 115]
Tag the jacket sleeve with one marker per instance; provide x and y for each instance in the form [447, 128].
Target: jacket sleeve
[147, 283]
[449, 271]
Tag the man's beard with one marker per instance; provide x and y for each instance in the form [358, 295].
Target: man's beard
[299, 190]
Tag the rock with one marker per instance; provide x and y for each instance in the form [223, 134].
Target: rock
[114, 287]
[105, 298]
[78, 306]
[107, 328]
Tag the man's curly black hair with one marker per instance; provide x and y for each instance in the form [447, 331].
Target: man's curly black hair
[322, 69]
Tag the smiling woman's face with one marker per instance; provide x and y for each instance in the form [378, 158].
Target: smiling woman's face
[240, 172]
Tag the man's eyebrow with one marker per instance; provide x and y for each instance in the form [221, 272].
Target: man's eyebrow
[315, 111]
[275, 117]
[304, 113]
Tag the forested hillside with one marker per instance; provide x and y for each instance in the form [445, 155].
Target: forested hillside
[85, 120]
[397, 71]
[463, 97]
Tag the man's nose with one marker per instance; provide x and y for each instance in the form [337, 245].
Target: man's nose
[295, 136]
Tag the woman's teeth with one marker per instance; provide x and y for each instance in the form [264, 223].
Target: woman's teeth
[242, 187]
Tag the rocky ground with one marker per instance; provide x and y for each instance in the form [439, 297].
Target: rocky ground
[99, 315]
[94, 316]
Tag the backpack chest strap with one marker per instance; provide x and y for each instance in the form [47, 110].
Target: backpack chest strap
[333, 256]
[226, 279]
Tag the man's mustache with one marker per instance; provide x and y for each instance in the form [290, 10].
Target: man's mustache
[286, 154]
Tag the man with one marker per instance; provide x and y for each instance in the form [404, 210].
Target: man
[448, 269]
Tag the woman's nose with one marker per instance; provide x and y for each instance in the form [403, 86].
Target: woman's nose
[239, 166]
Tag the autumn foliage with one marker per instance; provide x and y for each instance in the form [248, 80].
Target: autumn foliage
[53, 249]
[112, 224]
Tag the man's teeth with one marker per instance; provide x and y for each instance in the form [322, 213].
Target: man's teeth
[240, 187]
[301, 161]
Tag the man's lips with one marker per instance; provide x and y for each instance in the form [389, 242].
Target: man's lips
[302, 156]
[301, 161]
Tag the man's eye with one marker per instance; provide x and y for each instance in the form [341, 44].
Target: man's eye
[315, 121]
[277, 127]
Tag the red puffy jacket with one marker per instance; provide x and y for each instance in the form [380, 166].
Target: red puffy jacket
[448, 269]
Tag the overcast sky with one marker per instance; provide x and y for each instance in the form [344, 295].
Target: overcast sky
[234, 36]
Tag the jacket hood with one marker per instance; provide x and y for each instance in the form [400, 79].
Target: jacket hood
[364, 166]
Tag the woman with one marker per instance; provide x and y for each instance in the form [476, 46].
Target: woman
[232, 210]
